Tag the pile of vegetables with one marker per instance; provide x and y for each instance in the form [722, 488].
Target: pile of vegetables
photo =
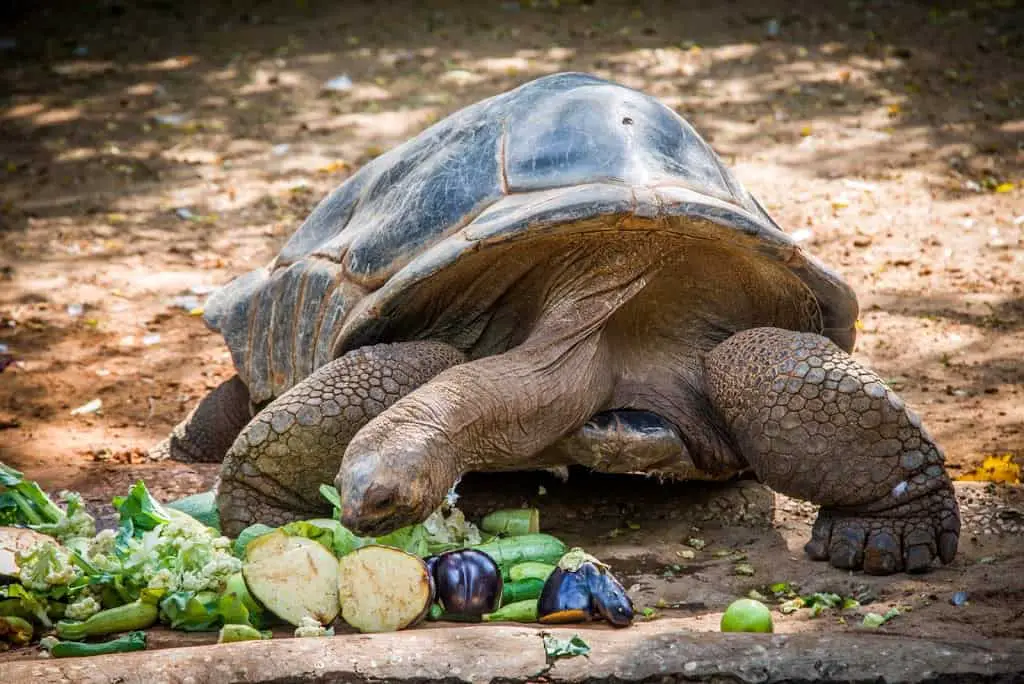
[66, 583]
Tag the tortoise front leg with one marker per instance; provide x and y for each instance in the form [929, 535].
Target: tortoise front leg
[209, 429]
[273, 471]
[815, 424]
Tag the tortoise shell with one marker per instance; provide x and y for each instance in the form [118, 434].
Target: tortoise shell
[563, 155]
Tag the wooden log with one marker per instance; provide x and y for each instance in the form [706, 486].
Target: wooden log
[654, 651]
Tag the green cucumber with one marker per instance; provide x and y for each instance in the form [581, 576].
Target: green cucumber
[235, 632]
[511, 551]
[135, 615]
[520, 611]
[529, 588]
[133, 641]
[530, 570]
[513, 522]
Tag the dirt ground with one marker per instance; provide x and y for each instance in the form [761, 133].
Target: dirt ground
[153, 150]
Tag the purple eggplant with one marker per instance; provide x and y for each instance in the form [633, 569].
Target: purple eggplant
[609, 598]
[467, 582]
[565, 598]
[582, 589]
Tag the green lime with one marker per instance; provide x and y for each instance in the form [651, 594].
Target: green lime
[747, 615]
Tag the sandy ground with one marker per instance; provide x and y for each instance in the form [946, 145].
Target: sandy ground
[154, 150]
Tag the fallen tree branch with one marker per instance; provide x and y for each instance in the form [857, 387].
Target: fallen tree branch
[655, 651]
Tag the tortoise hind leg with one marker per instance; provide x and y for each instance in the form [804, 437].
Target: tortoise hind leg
[273, 471]
[207, 432]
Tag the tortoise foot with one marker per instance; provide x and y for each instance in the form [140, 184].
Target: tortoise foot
[908, 537]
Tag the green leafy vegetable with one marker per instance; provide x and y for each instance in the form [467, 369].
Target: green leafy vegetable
[330, 533]
[237, 606]
[191, 611]
[201, 506]
[874, 620]
[247, 535]
[22, 602]
[445, 532]
[412, 539]
[140, 511]
[23, 502]
[564, 648]
[818, 602]
[333, 497]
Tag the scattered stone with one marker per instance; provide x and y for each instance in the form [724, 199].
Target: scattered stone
[338, 84]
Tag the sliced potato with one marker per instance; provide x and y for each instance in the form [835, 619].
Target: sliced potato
[12, 540]
[382, 589]
[293, 577]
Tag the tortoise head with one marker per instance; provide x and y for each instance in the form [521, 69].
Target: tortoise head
[384, 491]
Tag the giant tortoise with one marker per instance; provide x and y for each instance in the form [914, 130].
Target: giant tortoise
[562, 274]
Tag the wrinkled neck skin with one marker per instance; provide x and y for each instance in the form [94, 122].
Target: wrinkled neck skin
[621, 320]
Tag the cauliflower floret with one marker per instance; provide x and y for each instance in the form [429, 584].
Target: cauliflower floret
[83, 608]
[310, 627]
[179, 556]
[454, 529]
[45, 566]
[162, 579]
[103, 543]
[78, 522]
[219, 568]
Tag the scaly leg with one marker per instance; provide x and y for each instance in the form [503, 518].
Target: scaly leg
[815, 424]
[273, 471]
[209, 429]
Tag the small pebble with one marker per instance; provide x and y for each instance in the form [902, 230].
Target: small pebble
[339, 84]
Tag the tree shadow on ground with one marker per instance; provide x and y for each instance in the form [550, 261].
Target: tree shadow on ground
[118, 117]
[134, 97]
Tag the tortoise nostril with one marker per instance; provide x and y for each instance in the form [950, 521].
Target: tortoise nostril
[627, 121]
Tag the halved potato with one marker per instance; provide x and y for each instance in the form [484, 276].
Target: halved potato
[382, 589]
[14, 539]
[293, 577]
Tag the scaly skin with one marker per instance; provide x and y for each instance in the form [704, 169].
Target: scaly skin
[481, 415]
[274, 469]
[816, 425]
[209, 429]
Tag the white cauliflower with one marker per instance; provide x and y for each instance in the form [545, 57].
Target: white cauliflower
[311, 627]
[78, 522]
[454, 529]
[44, 566]
[103, 543]
[181, 556]
[82, 608]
